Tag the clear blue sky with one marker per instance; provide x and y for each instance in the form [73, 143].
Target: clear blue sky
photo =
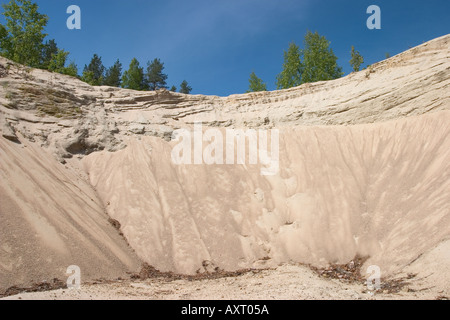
[215, 45]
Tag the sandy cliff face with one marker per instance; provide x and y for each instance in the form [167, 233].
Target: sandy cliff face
[363, 169]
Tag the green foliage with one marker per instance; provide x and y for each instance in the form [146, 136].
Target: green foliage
[133, 78]
[94, 72]
[113, 75]
[316, 62]
[357, 60]
[58, 61]
[292, 68]
[256, 84]
[71, 70]
[23, 42]
[4, 41]
[155, 77]
[173, 89]
[49, 49]
[3, 32]
[88, 77]
[319, 61]
[185, 88]
[58, 64]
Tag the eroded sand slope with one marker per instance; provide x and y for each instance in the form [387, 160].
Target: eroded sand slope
[380, 190]
[50, 219]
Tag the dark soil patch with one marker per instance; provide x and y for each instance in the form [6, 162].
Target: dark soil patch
[351, 272]
[37, 287]
[149, 272]
[114, 223]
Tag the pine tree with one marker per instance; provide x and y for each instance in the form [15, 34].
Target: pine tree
[133, 78]
[24, 37]
[71, 70]
[319, 60]
[4, 41]
[173, 89]
[357, 60]
[185, 88]
[155, 78]
[256, 84]
[3, 34]
[291, 75]
[49, 49]
[88, 76]
[113, 75]
[58, 62]
[94, 72]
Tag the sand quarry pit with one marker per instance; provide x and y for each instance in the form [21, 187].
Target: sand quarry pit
[362, 179]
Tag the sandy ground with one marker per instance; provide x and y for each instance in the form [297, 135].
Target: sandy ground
[287, 282]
